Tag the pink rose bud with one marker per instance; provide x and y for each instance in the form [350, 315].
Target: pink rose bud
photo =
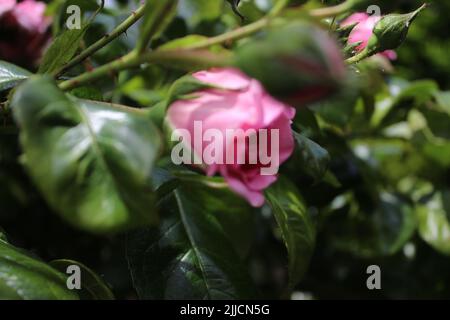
[23, 26]
[363, 30]
[232, 107]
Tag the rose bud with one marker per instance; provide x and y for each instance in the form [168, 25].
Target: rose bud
[390, 32]
[243, 123]
[298, 63]
[24, 27]
[376, 34]
[362, 31]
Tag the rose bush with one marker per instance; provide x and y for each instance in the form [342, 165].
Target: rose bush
[87, 167]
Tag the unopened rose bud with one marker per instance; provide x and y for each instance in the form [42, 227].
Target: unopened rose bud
[361, 27]
[391, 31]
[299, 63]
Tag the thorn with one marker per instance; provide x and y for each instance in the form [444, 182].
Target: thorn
[234, 4]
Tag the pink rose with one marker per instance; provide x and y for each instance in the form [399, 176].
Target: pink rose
[363, 31]
[239, 102]
[24, 27]
[6, 5]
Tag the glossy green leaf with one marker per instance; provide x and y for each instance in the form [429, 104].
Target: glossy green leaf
[91, 162]
[434, 222]
[11, 75]
[296, 226]
[92, 286]
[26, 278]
[313, 159]
[192, 255]
[438, 122]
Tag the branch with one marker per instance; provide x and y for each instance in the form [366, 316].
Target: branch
[358, 57]
[231, 35]
[332, 11]
[121, 28]
[134, 59]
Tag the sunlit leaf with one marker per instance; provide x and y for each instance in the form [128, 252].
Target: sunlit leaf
[92, 286]
[11, 75]
[434, 223]
[26, 278]
[296, 226]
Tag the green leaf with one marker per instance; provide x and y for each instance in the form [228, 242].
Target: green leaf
[92, 286]
[26, 278]
[57, 9]
[338, 109]
[381, 232]
[305, 121]
[313, 159]
[64, 47]
[11, 75]
[193, 253]
[239, 225]
[443, 100]
[296, 226]
[91, 162]
[406, 96]
[434, 223]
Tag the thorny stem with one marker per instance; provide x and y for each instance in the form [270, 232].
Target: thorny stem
[232, 35]
[134, 60]
[358, 57]
[120, 29]
[190, 53]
